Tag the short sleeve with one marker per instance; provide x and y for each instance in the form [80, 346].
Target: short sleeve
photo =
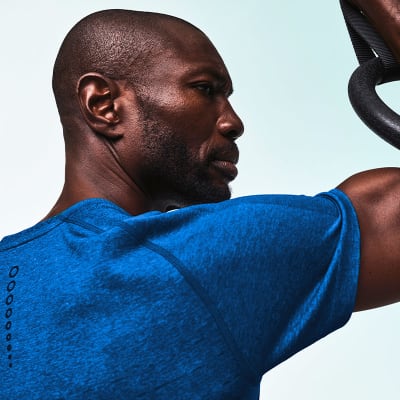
[278, 272]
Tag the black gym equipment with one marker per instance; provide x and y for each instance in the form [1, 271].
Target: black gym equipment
[377, 66]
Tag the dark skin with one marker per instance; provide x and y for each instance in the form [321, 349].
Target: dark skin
[189, 94]
[186, 103]
[376, 194]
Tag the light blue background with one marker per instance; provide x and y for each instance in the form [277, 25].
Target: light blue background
[290, 63]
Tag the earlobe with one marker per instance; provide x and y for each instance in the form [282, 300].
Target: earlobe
[97, 99]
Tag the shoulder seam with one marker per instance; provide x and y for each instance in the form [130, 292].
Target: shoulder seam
[31, 238]
[82, 224]
[243, 363]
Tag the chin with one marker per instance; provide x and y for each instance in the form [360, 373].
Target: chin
[213, 194]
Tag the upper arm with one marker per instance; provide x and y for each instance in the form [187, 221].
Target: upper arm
[376, 198]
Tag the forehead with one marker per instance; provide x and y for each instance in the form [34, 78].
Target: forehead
[188, 52]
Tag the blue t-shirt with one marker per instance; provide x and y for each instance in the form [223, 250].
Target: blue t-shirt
[196, 303]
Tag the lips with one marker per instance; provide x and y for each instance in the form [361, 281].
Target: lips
[225, 160]
[226, 168]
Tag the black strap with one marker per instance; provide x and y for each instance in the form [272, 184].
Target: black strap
[367, 43]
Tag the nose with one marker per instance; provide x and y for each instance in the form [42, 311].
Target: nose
[229, 124]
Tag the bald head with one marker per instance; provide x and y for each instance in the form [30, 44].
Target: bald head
[119, 44]
[143, 100]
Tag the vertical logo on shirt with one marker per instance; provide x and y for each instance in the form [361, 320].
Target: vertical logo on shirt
[9, 304]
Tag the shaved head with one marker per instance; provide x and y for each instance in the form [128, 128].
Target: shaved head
[143, 100]
[119, 44]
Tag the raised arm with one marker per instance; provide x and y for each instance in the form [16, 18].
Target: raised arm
[384, 15]
[376, 194]
[376, 198]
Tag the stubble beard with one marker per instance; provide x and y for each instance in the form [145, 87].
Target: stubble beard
[172, 172]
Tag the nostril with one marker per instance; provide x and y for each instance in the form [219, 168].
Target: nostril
[235, 134]
[231, 126]
[238, 129]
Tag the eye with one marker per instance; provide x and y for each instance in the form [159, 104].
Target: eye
[206, 87]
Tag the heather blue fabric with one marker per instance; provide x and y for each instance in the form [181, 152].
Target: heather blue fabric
[196, 303]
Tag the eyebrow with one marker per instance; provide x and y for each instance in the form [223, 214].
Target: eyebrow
[223, 79]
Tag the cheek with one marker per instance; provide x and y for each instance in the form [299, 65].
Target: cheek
[188, 116]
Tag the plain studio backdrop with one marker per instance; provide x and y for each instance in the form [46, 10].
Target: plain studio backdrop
[290, 63]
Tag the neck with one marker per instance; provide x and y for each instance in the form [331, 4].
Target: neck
[94, 170]
[112, 184]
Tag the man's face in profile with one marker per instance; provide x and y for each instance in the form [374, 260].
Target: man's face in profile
[189, 126]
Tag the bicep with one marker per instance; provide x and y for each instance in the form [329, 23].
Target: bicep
[376, 198]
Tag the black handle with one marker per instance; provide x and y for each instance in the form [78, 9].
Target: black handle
[367, 104]
[378, 65]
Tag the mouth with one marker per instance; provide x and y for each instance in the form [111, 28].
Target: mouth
[226, 168]
[224, 161]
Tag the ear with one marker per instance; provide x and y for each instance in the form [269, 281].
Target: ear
[98, 102]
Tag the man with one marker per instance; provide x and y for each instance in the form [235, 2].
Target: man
[113, 297]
